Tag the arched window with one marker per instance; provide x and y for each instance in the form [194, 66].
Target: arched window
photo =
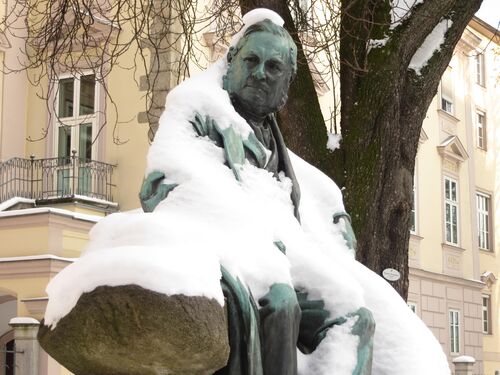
[7, 354]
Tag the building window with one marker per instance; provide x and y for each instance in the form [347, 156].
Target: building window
[483, 220]
[479, 67]
[413, 214]
[447, 92]
[481, 130]
[454, 332]
[486, 315]
[446, 105]
[76, 116]
[10, 353]
[451, 211]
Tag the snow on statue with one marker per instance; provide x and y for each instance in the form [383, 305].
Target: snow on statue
[230, 212]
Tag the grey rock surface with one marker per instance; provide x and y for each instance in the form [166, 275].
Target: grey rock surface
[129, 330]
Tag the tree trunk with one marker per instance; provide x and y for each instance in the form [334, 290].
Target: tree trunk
[383, 104]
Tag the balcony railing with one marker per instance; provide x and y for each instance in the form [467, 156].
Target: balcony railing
[61, 177]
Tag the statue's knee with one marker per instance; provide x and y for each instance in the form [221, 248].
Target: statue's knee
[281, 299]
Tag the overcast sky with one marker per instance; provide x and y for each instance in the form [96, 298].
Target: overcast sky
[490, 12]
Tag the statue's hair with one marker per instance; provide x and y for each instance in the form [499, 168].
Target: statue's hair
[269, 27]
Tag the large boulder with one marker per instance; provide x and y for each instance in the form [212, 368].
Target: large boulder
[129, 330]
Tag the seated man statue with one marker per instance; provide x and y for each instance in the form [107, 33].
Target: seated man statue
[230, 268]
[264, 335]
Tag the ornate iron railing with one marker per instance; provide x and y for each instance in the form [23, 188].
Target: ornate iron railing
[60, 177]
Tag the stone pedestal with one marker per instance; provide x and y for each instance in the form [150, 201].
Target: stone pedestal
[27, 347]
[464, 365]
[129, 330]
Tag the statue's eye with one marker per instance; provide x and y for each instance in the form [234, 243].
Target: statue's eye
[274, 66]
[251, 60]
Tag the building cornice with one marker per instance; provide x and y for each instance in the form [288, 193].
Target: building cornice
[50, 211]
[485, 29]
[46, 265]
[423, 274]
[453, 149]
[469, 41]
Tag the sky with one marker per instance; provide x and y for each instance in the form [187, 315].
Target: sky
[490, 12]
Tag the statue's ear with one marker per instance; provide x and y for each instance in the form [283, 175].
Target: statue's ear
[231, 53]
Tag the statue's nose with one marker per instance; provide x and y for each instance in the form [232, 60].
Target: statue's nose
[259, 72]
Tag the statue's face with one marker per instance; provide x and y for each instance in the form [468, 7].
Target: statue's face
[258, 76]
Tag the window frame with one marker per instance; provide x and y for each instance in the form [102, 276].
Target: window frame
[452, 204]
[479, 71]
[481, 141]
[76, 120]
[447, 93]
[414, 208]
[488, 220]
[454, 330]
[486, 310]
[444, 101]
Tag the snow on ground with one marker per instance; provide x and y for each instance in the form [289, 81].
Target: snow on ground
[431, 44]
[210, 218]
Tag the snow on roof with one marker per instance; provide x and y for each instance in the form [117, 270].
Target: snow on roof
[57, 211]
[95, 200]
[35, 299]
[464, 359]
[23, 320]
[36, 257]
[13, 201]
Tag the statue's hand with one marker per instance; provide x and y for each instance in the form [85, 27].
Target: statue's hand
[205, 126]
[280, 299]
[226, 138]
[153, 191]
[364, 328]
[348, 233]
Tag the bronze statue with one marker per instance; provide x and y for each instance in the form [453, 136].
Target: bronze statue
[220, 274]
[264, 335]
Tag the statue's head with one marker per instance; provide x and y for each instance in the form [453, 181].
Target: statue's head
[260, 69]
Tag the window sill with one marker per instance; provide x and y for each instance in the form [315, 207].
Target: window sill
[487, 251]
[450, 246]
[448, 115]
[415, 236]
